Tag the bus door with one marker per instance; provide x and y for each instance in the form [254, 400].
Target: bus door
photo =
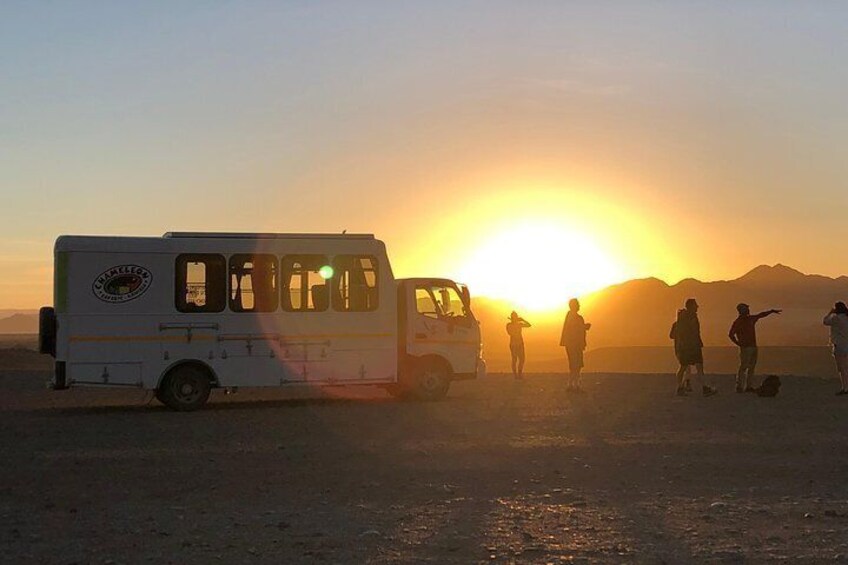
[200, 295]
[440, 323]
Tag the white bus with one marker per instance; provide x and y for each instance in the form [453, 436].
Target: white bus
[187, 312]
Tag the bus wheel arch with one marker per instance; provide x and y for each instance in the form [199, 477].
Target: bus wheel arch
[185, 385]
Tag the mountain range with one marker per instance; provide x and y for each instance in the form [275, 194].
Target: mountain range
[19, 322]
[639, 313]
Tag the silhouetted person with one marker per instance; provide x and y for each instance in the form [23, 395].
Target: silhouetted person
[516, 343]
[689, 347]
[687, 381]
[574, 340]
[837, 320]
[743, 333]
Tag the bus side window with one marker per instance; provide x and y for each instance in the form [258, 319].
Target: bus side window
[304, 287]
[355, 283]
[253, 283]
[199, 283]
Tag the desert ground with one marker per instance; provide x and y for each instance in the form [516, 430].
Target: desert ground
[499, 472]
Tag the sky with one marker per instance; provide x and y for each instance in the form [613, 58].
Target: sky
[498, 143]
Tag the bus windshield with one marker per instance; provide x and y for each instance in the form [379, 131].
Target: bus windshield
[446, 299]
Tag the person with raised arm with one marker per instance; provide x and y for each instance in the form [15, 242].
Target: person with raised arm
[743, 333]
[516, 343]
[837, 320]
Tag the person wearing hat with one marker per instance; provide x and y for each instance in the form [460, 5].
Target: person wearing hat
[743, 333]
[573, 338]
[837, 320]
[516, 343]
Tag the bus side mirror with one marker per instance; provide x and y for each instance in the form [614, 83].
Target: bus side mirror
[466, 296]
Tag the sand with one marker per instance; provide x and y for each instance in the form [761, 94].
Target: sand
[499, 472]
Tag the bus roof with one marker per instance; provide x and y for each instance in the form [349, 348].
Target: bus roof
[236, 235]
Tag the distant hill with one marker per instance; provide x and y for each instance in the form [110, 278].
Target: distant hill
[6, 312]
[640, 313]
[19, 323]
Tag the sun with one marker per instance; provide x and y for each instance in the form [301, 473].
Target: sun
[539, 265]
[533, 243]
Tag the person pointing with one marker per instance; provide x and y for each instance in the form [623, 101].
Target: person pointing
[743, 333]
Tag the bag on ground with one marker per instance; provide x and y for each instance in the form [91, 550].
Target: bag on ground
[770, 386]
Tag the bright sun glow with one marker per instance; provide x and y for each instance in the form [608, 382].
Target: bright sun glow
[539, 266]
[534, 243]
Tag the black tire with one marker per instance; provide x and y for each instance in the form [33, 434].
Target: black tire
[429, 380]
[397, 391]
[47, 331]
[185, 388]
[403, 391]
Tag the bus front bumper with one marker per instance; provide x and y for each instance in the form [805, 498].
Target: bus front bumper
[478, 373]
[481, 369]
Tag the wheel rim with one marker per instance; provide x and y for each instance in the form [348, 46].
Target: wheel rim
[186, 391]
[431, 381]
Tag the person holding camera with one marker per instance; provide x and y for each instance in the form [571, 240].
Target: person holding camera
[837, 320]
[516, 343]
[573, 338]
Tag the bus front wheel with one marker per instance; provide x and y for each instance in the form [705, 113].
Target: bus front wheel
[429, 380]
[185, 388]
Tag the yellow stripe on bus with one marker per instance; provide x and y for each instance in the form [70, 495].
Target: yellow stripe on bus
[446, 341]
[106, 338]
[195, 337]
[314, 336]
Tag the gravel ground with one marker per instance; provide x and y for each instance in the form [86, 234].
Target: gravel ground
[499, 472]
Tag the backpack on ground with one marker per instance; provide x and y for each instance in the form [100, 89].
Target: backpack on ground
[770, 386]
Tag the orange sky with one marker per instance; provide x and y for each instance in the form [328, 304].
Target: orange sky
[587, 144]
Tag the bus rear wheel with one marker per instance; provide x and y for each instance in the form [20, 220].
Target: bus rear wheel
[185, 388]
[429, 380]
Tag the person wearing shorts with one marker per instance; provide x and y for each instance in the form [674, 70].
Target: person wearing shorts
[573, 338]
[837, 320]
[743, 333]
[516, 343]
[689, 348]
